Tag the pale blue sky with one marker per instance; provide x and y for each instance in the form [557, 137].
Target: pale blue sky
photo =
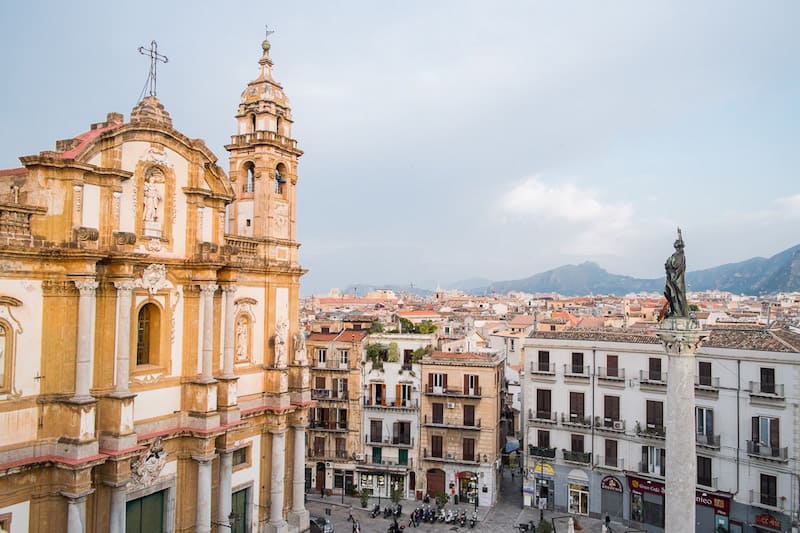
[447, 140]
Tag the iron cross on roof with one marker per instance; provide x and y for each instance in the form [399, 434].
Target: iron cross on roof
[155, 57]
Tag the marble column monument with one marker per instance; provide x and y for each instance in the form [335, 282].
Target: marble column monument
[681, 335]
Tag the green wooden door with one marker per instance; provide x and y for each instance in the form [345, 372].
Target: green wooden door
[402, 457]
[239, 509]
[376, 455]
[145, 514]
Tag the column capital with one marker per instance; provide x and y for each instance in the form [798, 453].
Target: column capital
[125, 285]
[229, 289]
[278, 431]
[77, 497]
[86, 286]
[203, 459]
[209, 289]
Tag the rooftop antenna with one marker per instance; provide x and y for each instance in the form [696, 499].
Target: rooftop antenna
[155, 57]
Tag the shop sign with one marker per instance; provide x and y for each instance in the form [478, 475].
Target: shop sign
[544, 469]
[639, 486]
[767, 520]
[720, 504]
[611, 483]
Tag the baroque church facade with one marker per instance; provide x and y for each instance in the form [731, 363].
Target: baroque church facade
[152, 372]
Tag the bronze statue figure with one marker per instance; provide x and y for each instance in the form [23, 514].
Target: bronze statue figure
[675, 289]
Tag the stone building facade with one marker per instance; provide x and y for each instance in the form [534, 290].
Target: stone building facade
[152, 377]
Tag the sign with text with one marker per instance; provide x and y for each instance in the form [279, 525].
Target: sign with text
[611, 483]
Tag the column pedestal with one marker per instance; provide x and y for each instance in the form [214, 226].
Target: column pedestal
[115, 421]
[681, 338]
[227, 400]
[201, 401]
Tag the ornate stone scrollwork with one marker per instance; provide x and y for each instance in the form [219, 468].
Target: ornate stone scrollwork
[146, 469]
[86, 287]
[121, 238]
[154, 279]
[86, 234]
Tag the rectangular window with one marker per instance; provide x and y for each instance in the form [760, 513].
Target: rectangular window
[611, 453]
[769, 490]
[654, 368]
[469, 415]
[438, 380]
[655, 415]
[438, 413]
[436, 445]
[612, 366]
[543, 404]
[468, 449]
[544, 361]
[239, 457]
[402, 433]
[405, 395]
[768, 380]
[344, 357]
[376, 430]
[576, 406]
[576, 442]
[319, 382]
[705, 421]
[322, 356]
[766, 434]
[577, 362]
[341, 388]
[543, 438]
[704, 373]
[341, 448]
[319, 446]
[471, 385]
[653, 460]
[704, 471]
[610, 410]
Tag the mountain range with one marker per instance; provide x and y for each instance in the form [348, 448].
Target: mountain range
[756, 276]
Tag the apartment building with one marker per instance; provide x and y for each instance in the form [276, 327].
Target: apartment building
[336, 350]
[595, 405]
[460, 435]
[389, 458]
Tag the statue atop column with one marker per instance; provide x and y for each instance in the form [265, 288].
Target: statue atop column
[675, 288]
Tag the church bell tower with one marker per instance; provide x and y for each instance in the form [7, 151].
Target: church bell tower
[263, 164]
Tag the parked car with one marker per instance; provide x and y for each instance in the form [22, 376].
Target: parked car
[320, 524]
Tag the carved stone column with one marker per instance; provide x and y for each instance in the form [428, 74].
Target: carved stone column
[116, 515]
[124, 292]
[85, 349]
[299, 515]
[208, 331]
[203, 511]
[276, 522]
[224, 490]
[681, 338]
[227, 356]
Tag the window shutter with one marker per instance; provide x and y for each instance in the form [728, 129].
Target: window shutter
[398, 395]
[383, 395]
[444, 380]
[663, 460]
[644, 457]
[370, 394]
[774, 434]
[755, 432]
[430, 381]
[477, 386]
[466, 383]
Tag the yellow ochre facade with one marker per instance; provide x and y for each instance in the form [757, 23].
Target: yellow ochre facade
[153, 376]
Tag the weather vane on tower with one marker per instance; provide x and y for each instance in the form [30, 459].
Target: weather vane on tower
[268, 31]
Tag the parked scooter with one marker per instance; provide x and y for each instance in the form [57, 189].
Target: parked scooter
[375, 511]
[387, 512]
[442, 515]
[451, 517]
[473, 519]
[398, 510]
[462, 518]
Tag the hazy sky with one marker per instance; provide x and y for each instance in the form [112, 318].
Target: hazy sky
[446, 140]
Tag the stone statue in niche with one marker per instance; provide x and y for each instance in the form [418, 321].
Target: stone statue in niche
[153, 195]
[300, 348]
[281, 338]
[242, 338]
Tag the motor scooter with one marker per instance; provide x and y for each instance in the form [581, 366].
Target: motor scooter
[451, 517]
[473, 519]
[375, 511]
[462, 518]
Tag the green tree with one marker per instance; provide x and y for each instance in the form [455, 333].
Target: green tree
[406, 326]
[426, 327]
[393, 355]
[376, 327]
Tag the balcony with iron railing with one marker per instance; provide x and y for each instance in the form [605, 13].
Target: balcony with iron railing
[576, 372]
[762, 451]
[340, 426]
[390, 464]
[472, 392]
[327, 394]
[453, 422]
[393, 403]
[655, 379]
[610, 374]
[706, 382]
[615, 463]
[576, 420]
[331, 364]
[542, 370]
[450, 457]
[708, 440]
[766, 390]
[609, 424]
[401, 441]
[540, 451]
[576, 457]
[767, 500]
[653, 431]
[329, 454]
[542, 417]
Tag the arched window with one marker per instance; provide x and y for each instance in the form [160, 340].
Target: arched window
[147, 334]
[249, 185]
[280, 178]
[5, 356]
